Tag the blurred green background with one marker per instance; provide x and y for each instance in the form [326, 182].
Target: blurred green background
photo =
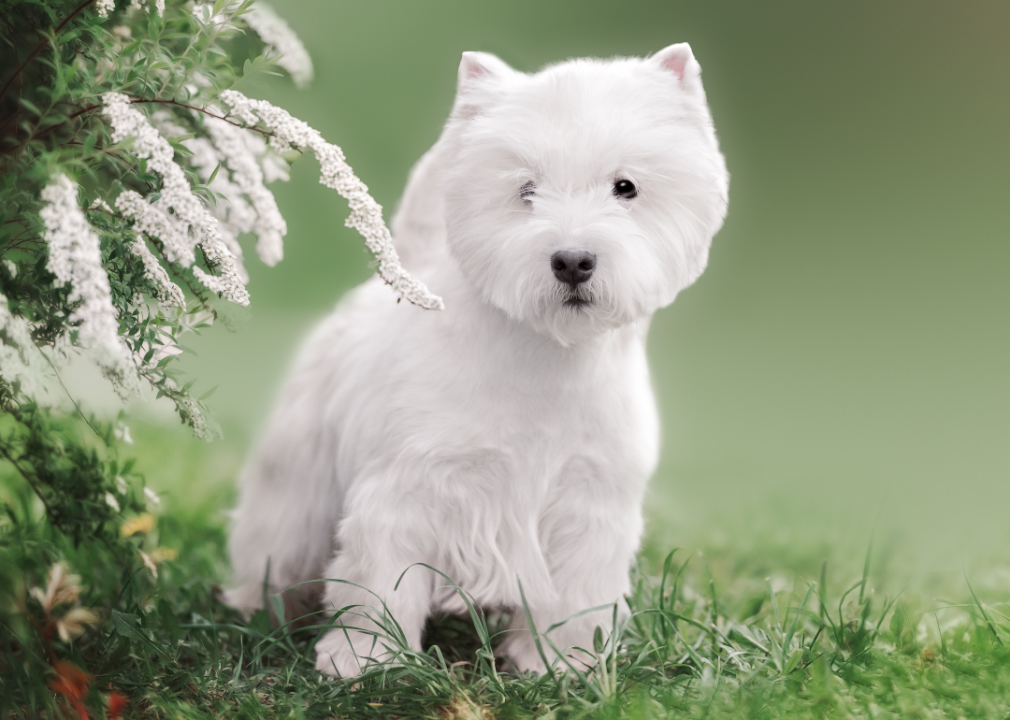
[845, 356]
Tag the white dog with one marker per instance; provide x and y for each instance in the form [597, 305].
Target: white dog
[508, 439]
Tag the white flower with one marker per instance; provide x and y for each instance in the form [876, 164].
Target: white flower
[152, 496]
[15, 346]
[234, 213]
[247, 205]
[73, 624]
[239, 152]
[99, 204]
[366, 214]
[159, 5]
[178, 219]
[169, 294]
[104, 7]
[153, 220]
[62, 588]
[121, 485]
[112, 502]
[11, 267]
[75, 257]
[276, 33]
[122, 432]
[149, 563]
[229, 283]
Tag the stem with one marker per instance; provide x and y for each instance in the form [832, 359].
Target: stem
[26, 241]
[71, 397]
[140, 101]
[31, 483]
[42, 43]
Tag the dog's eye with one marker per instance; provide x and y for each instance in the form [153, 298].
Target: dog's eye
[527, 191]
[625, 189]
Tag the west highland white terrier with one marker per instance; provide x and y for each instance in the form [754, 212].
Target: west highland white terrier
[508, 439]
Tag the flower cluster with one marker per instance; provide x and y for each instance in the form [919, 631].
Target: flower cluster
[75, 258]
[169, 294]
[104, 7]
[15, 352]
[159, 5]
[335, 173]
[177, 218]
[239, 149]
[234, 215]
[63, 589]
[276, 33]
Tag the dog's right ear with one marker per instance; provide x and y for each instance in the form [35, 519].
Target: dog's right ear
[478, 71]
[678, 60]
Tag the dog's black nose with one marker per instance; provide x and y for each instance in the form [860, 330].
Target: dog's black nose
[573, 266]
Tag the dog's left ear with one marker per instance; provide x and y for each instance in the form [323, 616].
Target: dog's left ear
[679, 61]
[476, 68]
[479, 72]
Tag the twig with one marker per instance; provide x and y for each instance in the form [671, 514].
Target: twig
[71, 397]
[31, 483]
[136, 100]
[25, 241]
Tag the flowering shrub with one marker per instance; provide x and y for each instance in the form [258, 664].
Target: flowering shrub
[129, 167]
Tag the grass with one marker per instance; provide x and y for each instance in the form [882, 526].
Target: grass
[703, 637]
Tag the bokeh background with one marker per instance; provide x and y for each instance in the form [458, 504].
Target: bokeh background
[842, 364]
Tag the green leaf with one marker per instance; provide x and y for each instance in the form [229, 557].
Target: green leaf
[794, 660]
[126, 625]
[168, 621]
[897, 621]
[213, 174]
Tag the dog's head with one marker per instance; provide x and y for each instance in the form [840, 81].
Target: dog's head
[583, 197]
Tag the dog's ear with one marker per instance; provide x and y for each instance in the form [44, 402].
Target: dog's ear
[679, 61]
[479, 72]
[476, 68]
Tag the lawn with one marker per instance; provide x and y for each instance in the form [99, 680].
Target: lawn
[745, 625]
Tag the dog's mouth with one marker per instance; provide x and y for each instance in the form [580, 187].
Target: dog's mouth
[577, 301]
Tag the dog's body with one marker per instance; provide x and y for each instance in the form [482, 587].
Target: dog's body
[510, 437]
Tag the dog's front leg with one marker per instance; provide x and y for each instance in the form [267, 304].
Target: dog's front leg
[590, 557]
[379, 600]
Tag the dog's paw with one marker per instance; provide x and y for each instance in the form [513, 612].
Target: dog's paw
[346, 654]
[247, 599]
[523, 656]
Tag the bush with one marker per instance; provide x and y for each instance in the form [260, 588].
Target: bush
[129, 167]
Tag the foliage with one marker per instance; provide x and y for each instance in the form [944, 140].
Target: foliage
[690, 646]
[81, 281]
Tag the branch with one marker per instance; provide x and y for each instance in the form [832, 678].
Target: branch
[71, 397]
[31, 483]
[42, 43]
[138, 100]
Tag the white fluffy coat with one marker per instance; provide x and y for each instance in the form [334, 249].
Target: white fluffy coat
[510, 437]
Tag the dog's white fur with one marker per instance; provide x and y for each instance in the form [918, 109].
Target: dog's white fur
[509, 438]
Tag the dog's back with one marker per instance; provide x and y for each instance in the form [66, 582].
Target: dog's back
[291, 499]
